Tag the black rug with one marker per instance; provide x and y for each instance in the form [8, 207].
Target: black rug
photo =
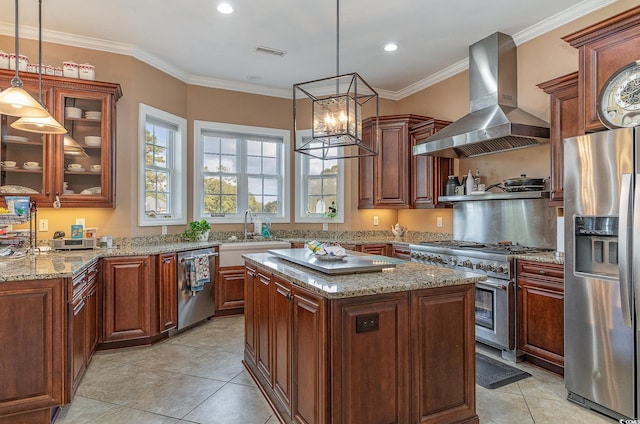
[492, 374]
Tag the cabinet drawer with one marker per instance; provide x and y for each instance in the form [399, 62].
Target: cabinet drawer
[537, 270]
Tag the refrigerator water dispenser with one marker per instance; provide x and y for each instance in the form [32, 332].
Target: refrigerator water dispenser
[596, 245]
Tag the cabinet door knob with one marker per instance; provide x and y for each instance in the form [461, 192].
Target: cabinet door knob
[289, 297]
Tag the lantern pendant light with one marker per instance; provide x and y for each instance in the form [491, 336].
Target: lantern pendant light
[336, 113]
[47, 124]
[15, 101]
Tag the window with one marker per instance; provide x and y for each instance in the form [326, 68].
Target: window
[162, 189]
[319, 187]
[237, 168]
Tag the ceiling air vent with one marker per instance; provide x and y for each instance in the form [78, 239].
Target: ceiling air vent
[270, 50]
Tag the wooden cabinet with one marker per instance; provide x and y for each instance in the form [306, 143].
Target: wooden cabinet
[167, 291]
[127, 298]
[375, 249]
[285, 327]
[400, 251]
[83, 325]
[540, 309]
[443, 374]
[563, 92]
[229, 291]
[32, 340]
[370, 349]
[603, 48]
[362, 359]
[395, 178]
[428, 174]
[85, 187]
[384, 180]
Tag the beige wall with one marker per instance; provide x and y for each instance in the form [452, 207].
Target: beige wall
[539, 60]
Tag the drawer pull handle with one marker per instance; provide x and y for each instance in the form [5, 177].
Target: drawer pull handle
[541, 272]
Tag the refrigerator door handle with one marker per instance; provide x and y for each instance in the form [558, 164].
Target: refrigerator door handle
[624, 266]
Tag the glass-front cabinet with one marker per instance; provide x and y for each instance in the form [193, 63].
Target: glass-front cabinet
[77, 168]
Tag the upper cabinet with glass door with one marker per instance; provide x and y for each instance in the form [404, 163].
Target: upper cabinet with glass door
[86, 166]
[79, 167]
[26, 158]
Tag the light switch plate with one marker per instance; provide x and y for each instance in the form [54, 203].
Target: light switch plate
[375, 220]
[439, 222]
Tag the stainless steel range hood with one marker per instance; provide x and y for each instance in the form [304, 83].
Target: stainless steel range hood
[495, 123]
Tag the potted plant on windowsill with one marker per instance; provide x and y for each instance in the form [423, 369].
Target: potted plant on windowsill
[197, 231]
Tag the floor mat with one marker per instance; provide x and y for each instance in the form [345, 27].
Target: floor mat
[492, 374]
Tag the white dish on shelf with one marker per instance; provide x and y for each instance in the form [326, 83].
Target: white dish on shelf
[32, 168]
[17, 189]
[93, 140]
[10, 167]
[68, 192]
[95, 171]
[15, 138]
[76, 169]
[92, 190]
[72, 112]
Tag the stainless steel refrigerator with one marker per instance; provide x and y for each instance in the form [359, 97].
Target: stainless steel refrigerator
[602, 270]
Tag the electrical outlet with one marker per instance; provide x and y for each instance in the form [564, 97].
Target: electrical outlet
[164, 230]
[80, 221]
[375, 220]
[325, 226]
[439, 222]
[43, 225]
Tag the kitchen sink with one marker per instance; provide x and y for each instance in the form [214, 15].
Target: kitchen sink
[231, 253]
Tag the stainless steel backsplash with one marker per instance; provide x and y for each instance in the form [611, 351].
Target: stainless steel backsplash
[529, 222]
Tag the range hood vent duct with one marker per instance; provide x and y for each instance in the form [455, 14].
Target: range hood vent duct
[495, 123]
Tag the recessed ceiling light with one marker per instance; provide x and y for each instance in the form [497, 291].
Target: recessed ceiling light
[390, 47]
[225, 8]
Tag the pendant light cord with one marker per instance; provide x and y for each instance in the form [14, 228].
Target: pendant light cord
[16, 82]
[40, 53]
[337, 37]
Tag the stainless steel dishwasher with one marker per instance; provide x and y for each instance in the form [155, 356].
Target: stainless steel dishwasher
[193, 308]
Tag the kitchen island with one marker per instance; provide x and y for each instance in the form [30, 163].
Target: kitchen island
[390, 346]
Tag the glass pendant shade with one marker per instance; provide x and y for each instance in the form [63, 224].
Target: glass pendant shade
[336, 110]
[15, 101]
[46, 125]
[71, 147]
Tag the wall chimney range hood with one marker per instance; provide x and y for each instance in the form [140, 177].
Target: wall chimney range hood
[495, 123]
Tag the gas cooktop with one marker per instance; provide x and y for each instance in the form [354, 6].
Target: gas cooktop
[501, 248]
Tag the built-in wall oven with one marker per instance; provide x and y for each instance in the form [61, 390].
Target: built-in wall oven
[495, 297]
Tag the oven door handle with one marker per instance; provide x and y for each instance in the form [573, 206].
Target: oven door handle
[492, 285]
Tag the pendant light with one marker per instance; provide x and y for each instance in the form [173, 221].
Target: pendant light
[15, 101]
[336, 113]
[47, 124]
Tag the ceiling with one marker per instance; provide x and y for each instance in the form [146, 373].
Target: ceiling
[190, 40]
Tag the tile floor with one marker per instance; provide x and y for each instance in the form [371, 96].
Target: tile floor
[197, 377]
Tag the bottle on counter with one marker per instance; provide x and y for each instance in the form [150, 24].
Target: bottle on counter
[469, 183]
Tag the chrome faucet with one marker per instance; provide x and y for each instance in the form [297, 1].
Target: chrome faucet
[247, 234]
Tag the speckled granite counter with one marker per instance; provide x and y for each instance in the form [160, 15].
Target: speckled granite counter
[546, 257]
[405, 277]
[65, 264]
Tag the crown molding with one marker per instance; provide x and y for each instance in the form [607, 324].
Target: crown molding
[553, 22]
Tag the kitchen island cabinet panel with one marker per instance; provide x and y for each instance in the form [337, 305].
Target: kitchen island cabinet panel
[281, 330]
[443, 388]
[32, 340]
[540, 309]
[370, 350]
[262, 320]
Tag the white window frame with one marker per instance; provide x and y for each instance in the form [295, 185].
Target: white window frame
[177, 168]
[198, 187]
[302, 162]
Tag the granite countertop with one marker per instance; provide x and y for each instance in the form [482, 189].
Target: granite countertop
[545, 257]
[64, 264]
[406, 276]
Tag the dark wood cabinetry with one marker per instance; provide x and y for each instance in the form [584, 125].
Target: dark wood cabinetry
[428, 174]
[229, 290]
[83, 325]
[32, 336]
[85, 187]
[540, 306]
[167, 293]
[401, 252]
[563, 92]
[603, 48]
[394, 178]
[127, 298]
[375, 249]
[361, 359]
